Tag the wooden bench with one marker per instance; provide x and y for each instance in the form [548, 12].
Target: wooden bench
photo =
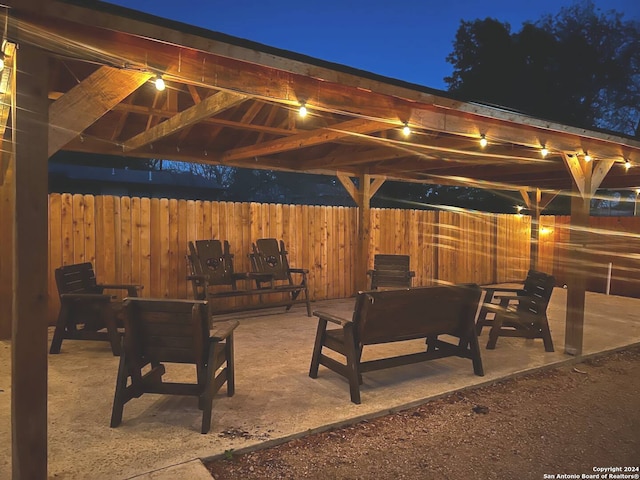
[213, 278]
[391, 271]
[394, 316]
[85, 309]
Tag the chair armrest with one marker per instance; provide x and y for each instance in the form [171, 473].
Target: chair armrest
[303, 271]
[332, 318]
[86, 297]
[221, 330]
[132, 289]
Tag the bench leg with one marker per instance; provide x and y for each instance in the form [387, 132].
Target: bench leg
[352, 365]
[206, 399]
[109, 320]
[474, 349]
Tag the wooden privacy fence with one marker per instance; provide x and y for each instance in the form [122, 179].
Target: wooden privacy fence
[142, 240]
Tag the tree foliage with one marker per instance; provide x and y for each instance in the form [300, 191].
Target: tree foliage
[580, 67]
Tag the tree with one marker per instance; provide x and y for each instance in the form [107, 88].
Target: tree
[580, 67]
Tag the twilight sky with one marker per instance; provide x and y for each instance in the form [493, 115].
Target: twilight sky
[407, 41]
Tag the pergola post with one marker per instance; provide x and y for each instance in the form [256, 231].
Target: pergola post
[536, 202]
[30, 251]
[362, 196]
[587, 177]
[7, 197]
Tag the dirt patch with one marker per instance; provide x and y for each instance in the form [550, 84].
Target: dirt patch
[565, 421]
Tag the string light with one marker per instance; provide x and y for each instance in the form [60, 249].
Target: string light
[483, 141]
[587, 157]
[544, 152]
[303, 110]
[627, 164]
[406, 130]
[160, 86]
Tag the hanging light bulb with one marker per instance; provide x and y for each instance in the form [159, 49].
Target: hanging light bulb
[406, 130]
[544, 152]
[303, 110]
[483, 141]
[160, 86]
[627, 164]
[587, 157]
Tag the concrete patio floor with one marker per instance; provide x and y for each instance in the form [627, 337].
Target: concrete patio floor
[275, 398]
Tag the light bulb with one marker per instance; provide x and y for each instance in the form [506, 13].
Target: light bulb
[406, 130]
[587, 157]
[303, 110]
[483, 141]
[160, 86]
[627, 164]
[544, 152]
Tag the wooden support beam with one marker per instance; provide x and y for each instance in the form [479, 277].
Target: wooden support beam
[346, 182]
[376, 184]
[305, 139]
[7, 215]
[30, 119]
[208, 107]
[85, 103]
[364, 230]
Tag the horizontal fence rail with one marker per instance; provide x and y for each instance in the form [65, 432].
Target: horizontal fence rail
[144, 241]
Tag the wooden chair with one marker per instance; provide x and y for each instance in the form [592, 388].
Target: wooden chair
[520, 312]
[173, 331]
[85, 309]
[270, 258]
[391, 271]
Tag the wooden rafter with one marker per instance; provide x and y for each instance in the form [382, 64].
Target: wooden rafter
[97, 94]
[305, 139]
[210, 106]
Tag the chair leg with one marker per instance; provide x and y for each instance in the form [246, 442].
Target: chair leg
[109, 319]
[120, 396]
[494, 333]
[474, 349]
[58, 334]
[206, 399]
[231, 369]
[546, 335]
[317, 348]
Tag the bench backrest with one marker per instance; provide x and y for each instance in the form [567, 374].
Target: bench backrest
[173, 331]
[213, 259]
[394, 315]
[538, 287]
[270, 257]
[76, 278]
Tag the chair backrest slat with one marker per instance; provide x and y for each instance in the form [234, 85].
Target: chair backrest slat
[271, 257]
[538, 288]
[76, 278]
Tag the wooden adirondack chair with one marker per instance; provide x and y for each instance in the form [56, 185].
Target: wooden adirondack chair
[85, 309]
[520, 312]
[270, 258]
[391, 271]
[159, 331]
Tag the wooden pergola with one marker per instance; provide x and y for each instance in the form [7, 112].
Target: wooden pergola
[79, 76]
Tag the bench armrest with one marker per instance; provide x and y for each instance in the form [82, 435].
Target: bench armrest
[332, 318]
[221, 330]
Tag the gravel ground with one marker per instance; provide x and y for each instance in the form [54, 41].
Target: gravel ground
[553, 424]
